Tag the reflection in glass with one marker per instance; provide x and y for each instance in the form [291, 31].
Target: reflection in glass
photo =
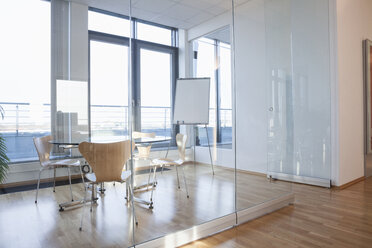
[72, 110]
[210, 195]
[299, 90]
[255, 46]
[212, 58]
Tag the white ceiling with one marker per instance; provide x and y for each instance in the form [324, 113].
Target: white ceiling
[175, 13]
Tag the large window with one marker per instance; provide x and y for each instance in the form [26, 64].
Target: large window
[154, 34]
[109, 24]
[154, 58]
[225, 110]
[25, 75]
[155, 91]
[108, 88]
[212, 58]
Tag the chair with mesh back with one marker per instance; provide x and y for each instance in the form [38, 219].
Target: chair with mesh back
[43, 148]
[107, 161]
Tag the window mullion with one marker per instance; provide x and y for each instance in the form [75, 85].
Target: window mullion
[218, 89]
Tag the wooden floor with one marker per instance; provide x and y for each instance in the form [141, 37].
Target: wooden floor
[319, 218]
[26, 224]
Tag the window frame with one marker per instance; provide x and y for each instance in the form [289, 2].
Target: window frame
[137, 45]
[100, 37]
[217, 73]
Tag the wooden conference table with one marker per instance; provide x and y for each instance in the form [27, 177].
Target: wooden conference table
[74, 143]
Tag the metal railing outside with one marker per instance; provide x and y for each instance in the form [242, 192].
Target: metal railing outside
[23, 121]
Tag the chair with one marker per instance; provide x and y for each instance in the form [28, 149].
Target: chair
[181, 144]
[107, 161]
[143, 151]
[43, 148]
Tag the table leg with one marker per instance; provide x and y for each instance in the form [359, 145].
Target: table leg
[102, 188]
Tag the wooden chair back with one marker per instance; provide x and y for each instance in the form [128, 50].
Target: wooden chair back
[143, 151]
[106, 159]
[43, 148]
[137, 135]
[181, 144]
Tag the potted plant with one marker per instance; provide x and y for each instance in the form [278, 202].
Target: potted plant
[4, 160]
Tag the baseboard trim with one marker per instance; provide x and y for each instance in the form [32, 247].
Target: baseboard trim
[264, 208]
[231, 169]
[191, 234]
[212, 227]
[346, 185]
[300, 179]
[31, 182]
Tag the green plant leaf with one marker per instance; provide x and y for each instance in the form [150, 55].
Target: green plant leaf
[4, 160]
[2, 112]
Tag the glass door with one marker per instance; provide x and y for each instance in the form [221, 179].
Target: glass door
[298, 87]
[156, 97]
[368, 104]
[108, 86]
[153, 88]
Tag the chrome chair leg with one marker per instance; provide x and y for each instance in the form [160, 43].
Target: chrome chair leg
[54, 180]
[91, 202]
[184, 179]
[127, 192]
[134, 210]
[38, 185]
[153, 186]
[84, 202]
[156, 178]
[178, 179]
[82, 176]
[69, 179]
[148, 179]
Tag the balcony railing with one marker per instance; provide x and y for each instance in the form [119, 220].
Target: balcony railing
[23, 121]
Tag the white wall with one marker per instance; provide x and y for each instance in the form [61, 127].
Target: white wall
[221, 157]
[354, 24]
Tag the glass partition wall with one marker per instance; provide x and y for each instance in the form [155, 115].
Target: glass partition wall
[176, 54]
[91, 63]
[249, 91]
[298, 91]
